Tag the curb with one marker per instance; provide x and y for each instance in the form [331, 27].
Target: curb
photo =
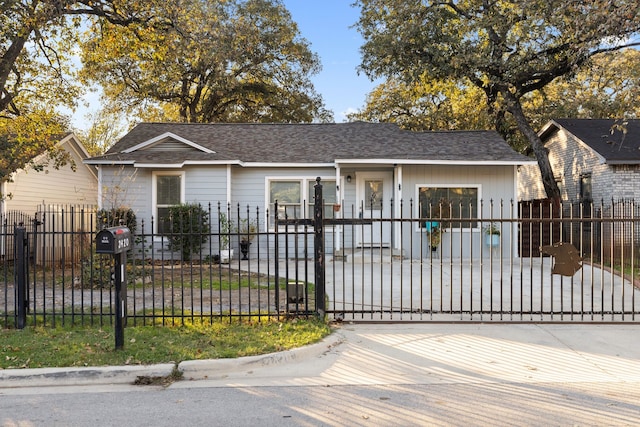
[44, 377]
[220, 368]
[191, 370]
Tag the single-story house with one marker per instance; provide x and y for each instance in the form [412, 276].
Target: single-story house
[258, 164]
[592, 160]
[27, 190]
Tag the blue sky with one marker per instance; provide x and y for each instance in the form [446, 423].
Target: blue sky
[327, 26]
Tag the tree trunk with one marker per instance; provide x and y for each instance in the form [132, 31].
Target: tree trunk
[7, 62]
[549, 182]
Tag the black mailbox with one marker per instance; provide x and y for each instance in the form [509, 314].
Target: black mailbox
[113, 240]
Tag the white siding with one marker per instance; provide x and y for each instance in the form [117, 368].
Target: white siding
[63, 186]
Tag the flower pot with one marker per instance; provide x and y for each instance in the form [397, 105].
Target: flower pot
[492, 240]
[244, 249]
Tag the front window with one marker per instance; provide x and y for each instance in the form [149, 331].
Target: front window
[295, 197]
[168, 193]
[441, 203]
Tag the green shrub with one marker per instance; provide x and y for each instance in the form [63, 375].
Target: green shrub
[189, 228]
[112, 218]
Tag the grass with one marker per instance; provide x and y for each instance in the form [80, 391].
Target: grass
[74, 346]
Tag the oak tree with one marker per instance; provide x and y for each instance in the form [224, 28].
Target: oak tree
[508, 49]
[231, 61]
[37, 40]
[608, 86]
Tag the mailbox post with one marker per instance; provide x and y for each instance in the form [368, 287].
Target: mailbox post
[116, 241]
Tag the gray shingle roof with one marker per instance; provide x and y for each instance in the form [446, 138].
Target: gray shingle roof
[615, 147]
[310, 143]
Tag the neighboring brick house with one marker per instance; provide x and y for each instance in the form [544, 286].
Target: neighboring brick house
[592, 160]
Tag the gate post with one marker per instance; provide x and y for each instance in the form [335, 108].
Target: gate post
[20, 255]
[318, 246]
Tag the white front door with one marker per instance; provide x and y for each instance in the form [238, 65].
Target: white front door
[374, 193]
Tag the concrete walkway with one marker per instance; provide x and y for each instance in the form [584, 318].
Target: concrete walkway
[372, 286]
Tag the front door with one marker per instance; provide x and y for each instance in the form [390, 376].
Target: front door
[374, 201]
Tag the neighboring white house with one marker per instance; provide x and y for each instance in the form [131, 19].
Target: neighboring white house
[29, 189]
[48, 199]
[592, 160]
[158, 164]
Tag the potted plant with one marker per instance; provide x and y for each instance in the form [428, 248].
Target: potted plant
[492, 232]
[226, 228]
[247, 232]
[434, 232]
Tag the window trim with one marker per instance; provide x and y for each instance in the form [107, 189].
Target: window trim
[304, 186]
[436, 185]
[154, 195]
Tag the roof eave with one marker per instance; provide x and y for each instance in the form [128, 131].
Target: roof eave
[622, 162]
[438, 162]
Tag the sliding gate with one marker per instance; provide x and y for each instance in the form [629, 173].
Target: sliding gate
[562, 267]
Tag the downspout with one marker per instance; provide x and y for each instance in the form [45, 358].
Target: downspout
[100, 187]
[228, 184]
[338, 229]
[397, 213]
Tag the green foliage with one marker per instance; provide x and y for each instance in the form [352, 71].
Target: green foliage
[38, 347]
[231, 61]
[247, 229]
[113, 217]
[37, 71]
[435, 236]
[607, 87]
[426, 105]
[492, 229]
[506, 49]
[226, 227]
[189, 228]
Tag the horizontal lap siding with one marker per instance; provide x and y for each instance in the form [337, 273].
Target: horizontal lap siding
[62, 186]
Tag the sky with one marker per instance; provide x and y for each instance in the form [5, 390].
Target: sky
[327, 26]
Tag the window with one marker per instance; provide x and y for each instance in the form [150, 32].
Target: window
[585, 188]
[328, 195]
[295, 197]
[168, 192]
[449, 202]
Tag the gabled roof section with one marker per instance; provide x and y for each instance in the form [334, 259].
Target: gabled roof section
[305, 144]
[614, 141]
[168, 140]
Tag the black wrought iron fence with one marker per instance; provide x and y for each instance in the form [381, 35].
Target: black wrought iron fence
[236, 261]
[209, 262]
